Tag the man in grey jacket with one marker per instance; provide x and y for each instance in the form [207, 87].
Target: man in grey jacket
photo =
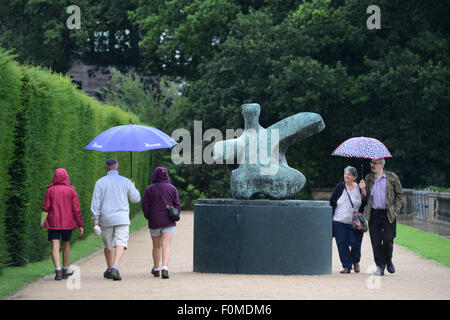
[111, 211]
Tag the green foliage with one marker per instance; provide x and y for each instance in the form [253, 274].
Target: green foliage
[127, 92]
[50, 124]
[37, 32]
[391, 84]
[9, 105]
[180, 34]
[437, 188]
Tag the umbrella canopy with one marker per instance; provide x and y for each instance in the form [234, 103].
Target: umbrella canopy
[131, 137]
[362, 147]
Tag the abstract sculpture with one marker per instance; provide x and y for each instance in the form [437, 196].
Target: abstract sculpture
[263, 172]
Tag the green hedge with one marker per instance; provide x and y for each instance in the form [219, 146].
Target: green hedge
[46, 123]
[9, 103]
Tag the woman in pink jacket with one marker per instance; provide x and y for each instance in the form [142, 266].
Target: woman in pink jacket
[64, 214]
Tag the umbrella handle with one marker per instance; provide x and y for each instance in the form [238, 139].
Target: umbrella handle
[362, 169]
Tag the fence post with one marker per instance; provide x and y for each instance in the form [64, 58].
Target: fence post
[431, 201]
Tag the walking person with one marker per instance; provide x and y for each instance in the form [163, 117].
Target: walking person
[111, 211]
[383, 193]
[154, 204]
[345, 199]
[64, 215]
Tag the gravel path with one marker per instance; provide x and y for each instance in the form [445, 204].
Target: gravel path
[416, 278]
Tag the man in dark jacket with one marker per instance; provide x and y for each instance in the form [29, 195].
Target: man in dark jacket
[383, 194]
[160, 194]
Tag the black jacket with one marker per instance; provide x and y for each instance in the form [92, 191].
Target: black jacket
[337, 192]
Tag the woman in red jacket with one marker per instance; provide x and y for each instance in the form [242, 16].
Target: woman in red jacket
[64, 214]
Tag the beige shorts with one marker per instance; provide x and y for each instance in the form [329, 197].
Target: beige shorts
[115, 236]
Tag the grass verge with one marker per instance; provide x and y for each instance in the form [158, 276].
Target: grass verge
[426, 244]
[15, 278]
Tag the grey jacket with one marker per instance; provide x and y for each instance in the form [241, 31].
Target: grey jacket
[394, 194]
[109, 203]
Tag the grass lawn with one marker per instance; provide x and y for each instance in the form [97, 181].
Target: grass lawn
[426, 244]
[15, 278]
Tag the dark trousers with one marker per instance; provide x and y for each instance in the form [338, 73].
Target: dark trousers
[382, 234]
[348, 243]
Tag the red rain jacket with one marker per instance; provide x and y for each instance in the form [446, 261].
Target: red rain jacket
[62, 204]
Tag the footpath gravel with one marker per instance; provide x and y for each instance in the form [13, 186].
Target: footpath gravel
[416, 278]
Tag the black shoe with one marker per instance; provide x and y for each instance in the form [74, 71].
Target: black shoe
[155, 273]
[115, 274]
[165, 274]
[379, 272]
[66, 273]
[356, 267]
[107, 274]
[390, 267]
[58, 274]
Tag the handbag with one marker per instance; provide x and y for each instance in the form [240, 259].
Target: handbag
[359, 222]
[174, 215]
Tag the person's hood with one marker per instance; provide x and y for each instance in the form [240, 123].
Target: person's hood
[160, 174]
[60, 177]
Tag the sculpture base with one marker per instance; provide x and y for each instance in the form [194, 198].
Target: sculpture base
[284, 237]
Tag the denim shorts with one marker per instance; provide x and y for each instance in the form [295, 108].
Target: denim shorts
[158, 232]
[66, 235]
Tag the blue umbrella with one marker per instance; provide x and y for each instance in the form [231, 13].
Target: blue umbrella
[131, 137]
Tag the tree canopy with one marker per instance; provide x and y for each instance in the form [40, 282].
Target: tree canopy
[319, 56]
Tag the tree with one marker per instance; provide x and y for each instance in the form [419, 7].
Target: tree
[37, 31]
[129, 93]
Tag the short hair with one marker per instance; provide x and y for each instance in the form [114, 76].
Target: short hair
[352, 171]
[112, 164]
[382, 161]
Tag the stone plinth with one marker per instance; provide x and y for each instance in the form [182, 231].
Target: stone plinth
[284, 237]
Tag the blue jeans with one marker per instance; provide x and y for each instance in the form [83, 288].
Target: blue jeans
[348, 243]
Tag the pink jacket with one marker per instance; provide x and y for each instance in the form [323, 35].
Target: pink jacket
[62, 204]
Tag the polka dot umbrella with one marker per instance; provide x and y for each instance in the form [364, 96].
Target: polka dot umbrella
[362, 147]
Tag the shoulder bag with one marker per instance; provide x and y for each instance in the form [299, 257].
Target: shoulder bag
[359, 222]
[174, 215]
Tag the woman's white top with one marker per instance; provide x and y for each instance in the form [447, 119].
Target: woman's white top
[344, 211]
